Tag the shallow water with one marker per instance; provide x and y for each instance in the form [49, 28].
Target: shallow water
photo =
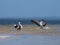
[25, 39]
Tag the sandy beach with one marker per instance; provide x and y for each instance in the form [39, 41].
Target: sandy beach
[30, 29]
[29, 35]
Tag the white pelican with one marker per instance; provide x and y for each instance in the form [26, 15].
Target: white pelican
[18, 26]
[41, 23]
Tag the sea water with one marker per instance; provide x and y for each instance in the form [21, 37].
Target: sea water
[23, 21]
[26, 39]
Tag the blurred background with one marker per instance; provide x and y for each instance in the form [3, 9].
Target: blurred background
[30, 9]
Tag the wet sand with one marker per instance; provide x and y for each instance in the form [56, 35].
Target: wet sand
[30, 35]
[30, 29]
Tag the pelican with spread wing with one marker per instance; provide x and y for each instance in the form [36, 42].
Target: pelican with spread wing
[41, 23]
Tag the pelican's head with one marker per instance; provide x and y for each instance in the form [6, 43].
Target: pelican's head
[15, 25]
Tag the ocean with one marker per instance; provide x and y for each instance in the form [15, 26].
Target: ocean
[30, 40]
[23, 21]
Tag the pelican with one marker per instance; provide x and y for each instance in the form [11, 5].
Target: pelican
[18, 26]
[41, 23]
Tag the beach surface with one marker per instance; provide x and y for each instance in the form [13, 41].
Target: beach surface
[30, 35]
[30, 29]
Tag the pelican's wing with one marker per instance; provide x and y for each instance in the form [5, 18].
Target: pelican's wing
[36, 22]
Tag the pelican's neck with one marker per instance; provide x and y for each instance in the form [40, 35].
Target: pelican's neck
[20, 25]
